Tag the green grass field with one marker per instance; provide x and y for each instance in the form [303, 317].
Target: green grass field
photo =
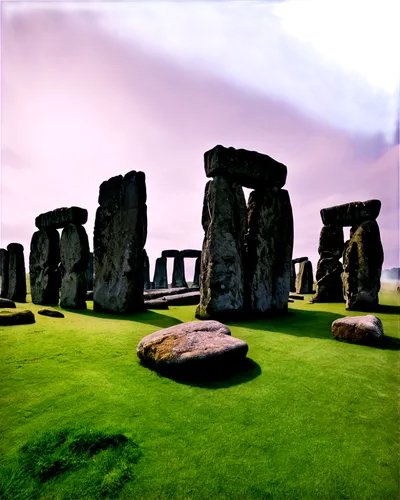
[308, 418]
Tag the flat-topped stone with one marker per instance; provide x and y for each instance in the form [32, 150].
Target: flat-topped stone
[358, 329]
[194, 254]
[351, 214]
[193, 348]
[170, 253]
[61, 217]
[248, 168]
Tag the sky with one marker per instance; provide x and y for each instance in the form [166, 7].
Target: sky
[90, 90]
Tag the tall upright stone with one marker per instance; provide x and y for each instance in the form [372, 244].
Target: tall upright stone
[44, 259]
[269, 248]
[4, 273]
[120, 234]
[293, 278]
[160, 279]
[178, 273]
[146, 271]
[16, 273]
[74, 253]
[305, 279]
[222, 275]
[90, 272]
[196, 277]
[363, 261]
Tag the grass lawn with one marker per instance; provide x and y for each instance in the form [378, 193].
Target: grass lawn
[309, 417]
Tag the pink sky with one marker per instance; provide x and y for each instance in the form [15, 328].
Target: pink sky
[80, 105]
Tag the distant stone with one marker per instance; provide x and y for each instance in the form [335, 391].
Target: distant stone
[184, 299]
[89, 295]
[4, 272]
[305, 279]
[193, 254]
[329, 280]
[51, 313]
[358, 329]
[178, 273]
[292, 278]
[16, 273]
[160, 280]
[362, 264]
[146, 271]
[170, 253]
[8, 318]
[7, 303]
[61, 217]
[156, 304]
[192, 349]
[164, 292]
[196, 277]
[247, 168]
[90, 272]
[296, 297]
[298, 260]
[351, 214]
[331, 241]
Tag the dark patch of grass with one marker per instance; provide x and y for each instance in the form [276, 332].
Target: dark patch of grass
[91, 463]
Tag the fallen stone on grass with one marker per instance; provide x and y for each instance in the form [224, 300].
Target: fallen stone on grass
[163, 292]
[358, 329]
[296, 297]
[51, 313]
[7, 303]
[196, 348]
[156, 304]
[184, 299]
[24, 317]
[290, 300]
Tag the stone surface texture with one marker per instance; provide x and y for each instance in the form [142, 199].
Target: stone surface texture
[90, 272]
[156, 304]
[146, 271]
[178, 273]
[61, 217]
[351, 214]
[329, 280]
[305, 278]
[358, 329]
[4, 272]
[160, 279]
[293, 277]
[331, 241]
[163, 292]
[7, 303]
[196, 277]
[16, 273]
[10, 318]
[183, 299]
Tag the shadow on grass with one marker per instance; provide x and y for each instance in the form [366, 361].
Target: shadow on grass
[249, 370]
[311, 324]
[387, 309]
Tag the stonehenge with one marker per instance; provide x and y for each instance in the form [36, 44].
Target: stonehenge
[120, 233]
[58, 267]
[246, 260]
[357, 280]
[160, 279]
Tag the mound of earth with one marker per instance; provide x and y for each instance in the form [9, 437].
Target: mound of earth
[196, 348]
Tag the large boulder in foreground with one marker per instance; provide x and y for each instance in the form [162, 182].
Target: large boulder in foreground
[196, 348]
[358, 329]
[9, 318]
[248, 168]
[351, 214]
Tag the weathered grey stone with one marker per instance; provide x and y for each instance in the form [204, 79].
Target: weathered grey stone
[156, 304]
[222, 275]
[170, 253]
[9, 318]
[329, 280]
[362, 268]
[183, 299]
[160, 279]
[305, 279]
[293, 278]
[358, 329]
[16, 273]
[194, 348]
[146, 271]
[331, 240]
[196, 277]
[119, 237]
[74, 253]
[191, 254]
[298, 260]
[44, 259]
[163, 292]
[51, 313]
[351, 214]
[247, 168]
[178, 273]
[7, 303]
[269, 245]
[90, 272]
[61, 217]
[4, 272]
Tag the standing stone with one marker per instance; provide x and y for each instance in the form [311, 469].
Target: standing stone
[351, 214]
[222, 274]
[90, 272]
[305, 280]
[363, 261]
[44, 259]
[269, 245]
[331, 242]
[293, 278]
[178, 273]
[196, 278]
[119, 237]
[4, 272]
[74, 253]
[16, 273]
[146, 271]
[329, 280]
[160, 279]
